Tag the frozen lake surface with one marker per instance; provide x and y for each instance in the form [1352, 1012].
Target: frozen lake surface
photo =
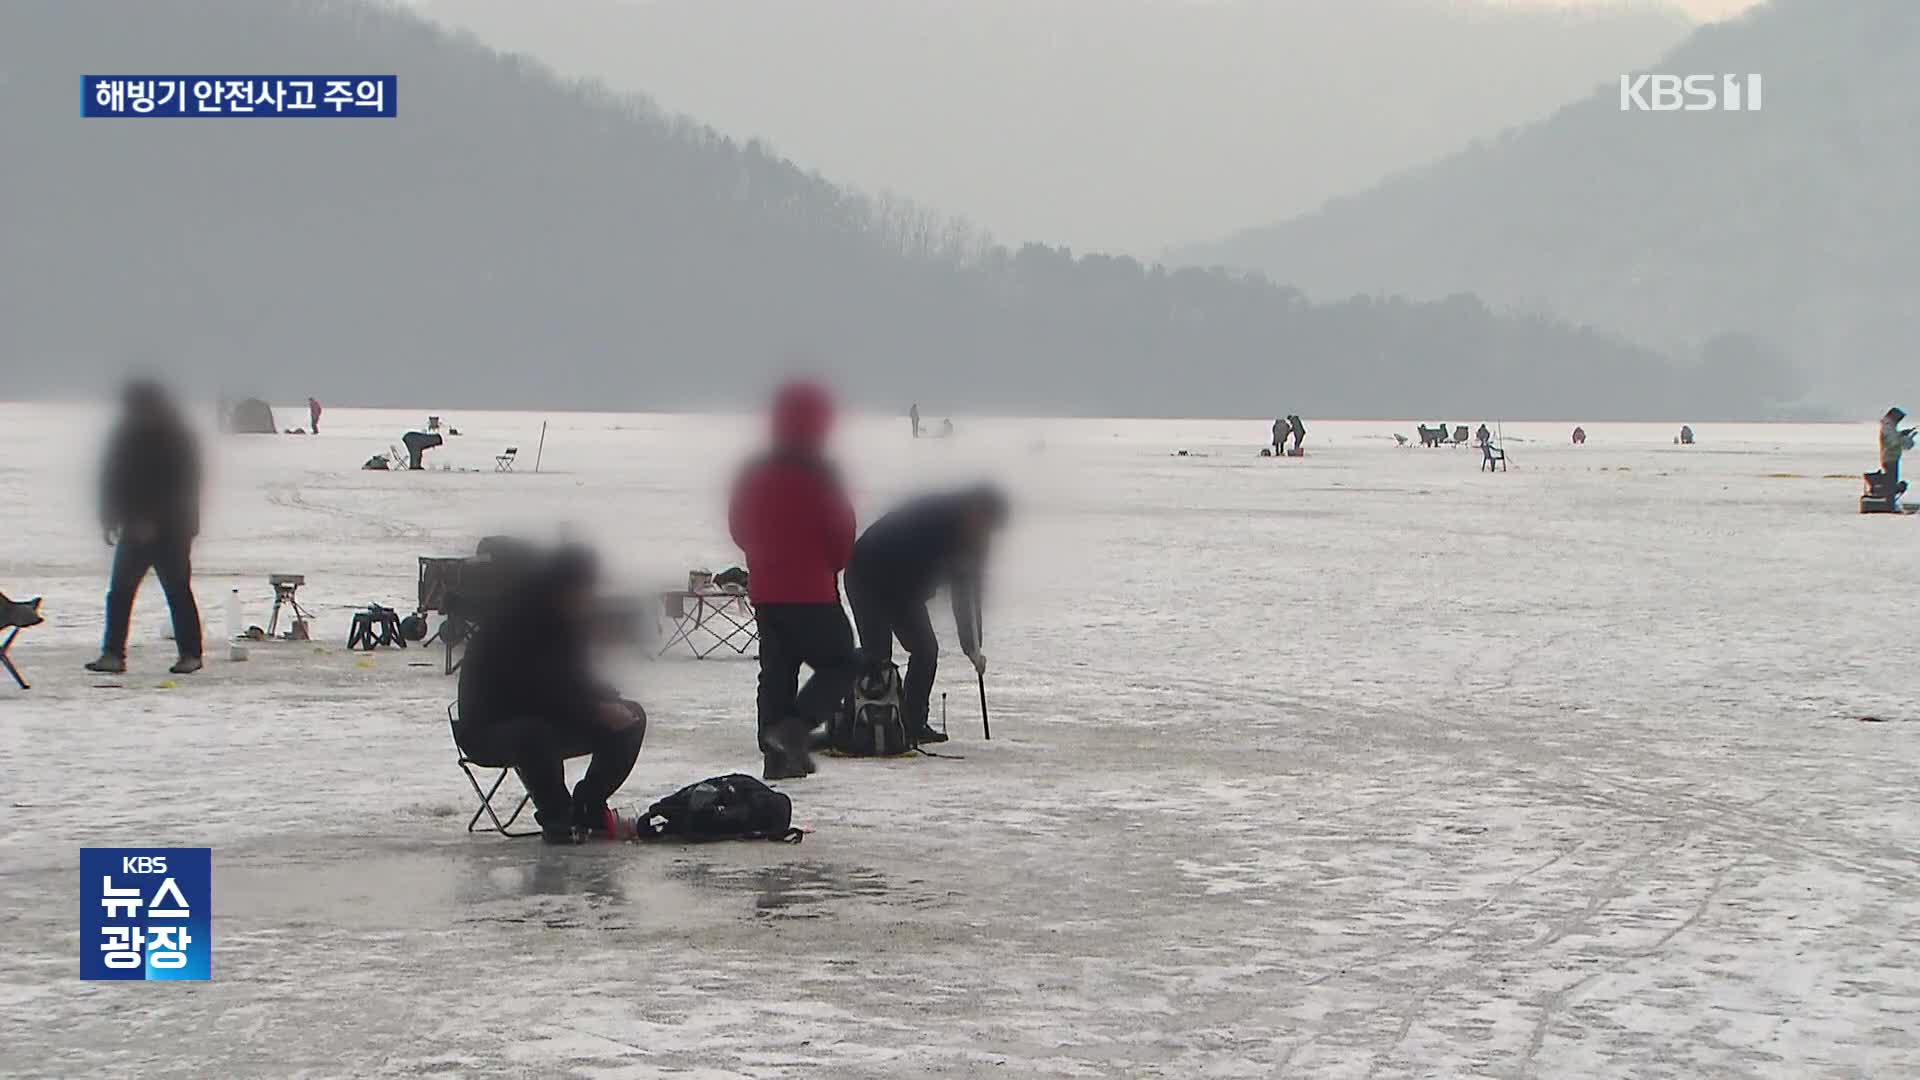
[1362, 765]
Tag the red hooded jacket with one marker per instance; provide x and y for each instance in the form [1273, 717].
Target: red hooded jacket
[789, 513]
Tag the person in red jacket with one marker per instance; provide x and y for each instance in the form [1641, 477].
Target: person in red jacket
[792, 519]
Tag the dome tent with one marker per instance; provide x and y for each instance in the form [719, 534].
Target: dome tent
[251, 417]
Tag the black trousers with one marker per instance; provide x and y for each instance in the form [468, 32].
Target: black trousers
[816, 635]
[537, 747]
[883, 614]
[171, 559]
[1892, 469]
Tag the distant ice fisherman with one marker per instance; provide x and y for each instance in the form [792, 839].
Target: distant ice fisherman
[1885, 487]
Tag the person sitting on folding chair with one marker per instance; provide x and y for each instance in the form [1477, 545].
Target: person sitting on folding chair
[529, 701]
[898, 564]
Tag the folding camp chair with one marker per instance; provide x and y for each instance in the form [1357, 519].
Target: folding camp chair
[467, 765]
[503, 462]
[7, 661]
[15, 616]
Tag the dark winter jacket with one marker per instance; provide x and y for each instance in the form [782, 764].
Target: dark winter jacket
[789, 513]
[529, 660]
[151, 479]
[911, 552]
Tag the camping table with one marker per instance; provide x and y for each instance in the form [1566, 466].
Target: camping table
[708, 620]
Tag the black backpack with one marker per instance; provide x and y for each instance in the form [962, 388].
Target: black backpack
[735, 807]
[870, 723]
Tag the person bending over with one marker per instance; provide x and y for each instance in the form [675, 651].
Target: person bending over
[150, 514]
[898, 564]
[792, 519]
[529, 701]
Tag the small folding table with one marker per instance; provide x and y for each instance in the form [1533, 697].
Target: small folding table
[706, 621]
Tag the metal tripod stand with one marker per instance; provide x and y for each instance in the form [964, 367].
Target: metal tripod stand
[284, 587]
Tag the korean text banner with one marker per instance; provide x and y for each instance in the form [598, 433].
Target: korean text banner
[134, 96]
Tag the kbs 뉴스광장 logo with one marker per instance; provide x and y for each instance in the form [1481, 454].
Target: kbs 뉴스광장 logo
[146, 913]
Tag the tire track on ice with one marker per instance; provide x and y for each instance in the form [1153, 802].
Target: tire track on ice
[1776, 837]
[290, 497]
[1501, 892]
[1599, 897]
[1559, 999]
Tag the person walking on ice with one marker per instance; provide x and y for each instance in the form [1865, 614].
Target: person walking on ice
[150, 514]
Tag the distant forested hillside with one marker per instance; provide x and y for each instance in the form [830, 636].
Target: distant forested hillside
[1795, 225]
[513, 239]
[1114, 125]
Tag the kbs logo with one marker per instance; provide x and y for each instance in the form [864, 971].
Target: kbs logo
[146, 913]
[1689, 93]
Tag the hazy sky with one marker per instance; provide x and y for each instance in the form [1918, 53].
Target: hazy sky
[1132, 126]
[1699, 9]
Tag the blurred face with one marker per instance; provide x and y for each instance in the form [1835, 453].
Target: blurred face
[575, 601]
[144, 401]
[982, 522]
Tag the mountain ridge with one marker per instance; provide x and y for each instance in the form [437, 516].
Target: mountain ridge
[516, 239]
[1785, 226]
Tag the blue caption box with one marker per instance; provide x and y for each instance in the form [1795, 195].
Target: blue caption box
[146, 913]
[134, 96]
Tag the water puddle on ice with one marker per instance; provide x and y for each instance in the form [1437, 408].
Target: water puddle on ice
[788, 890]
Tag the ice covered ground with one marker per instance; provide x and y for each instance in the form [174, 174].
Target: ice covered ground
[1366, 764]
